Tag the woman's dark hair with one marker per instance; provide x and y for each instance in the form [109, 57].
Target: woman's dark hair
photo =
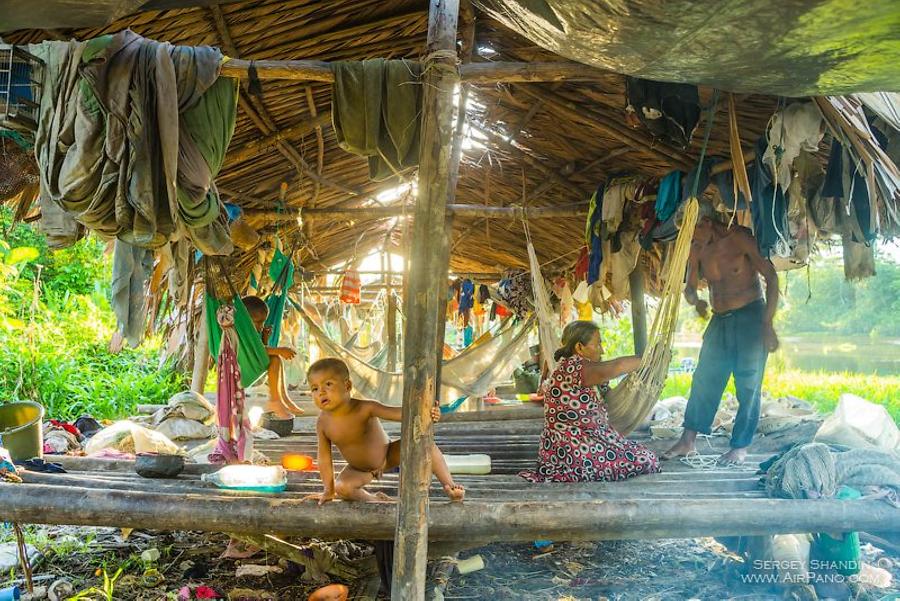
[573, 333]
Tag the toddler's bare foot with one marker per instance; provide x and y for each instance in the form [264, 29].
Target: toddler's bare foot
[455, 492]
[382, 497]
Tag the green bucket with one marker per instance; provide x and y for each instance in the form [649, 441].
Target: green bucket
[21, 431]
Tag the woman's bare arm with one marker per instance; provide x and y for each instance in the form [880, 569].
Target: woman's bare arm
[598, 372]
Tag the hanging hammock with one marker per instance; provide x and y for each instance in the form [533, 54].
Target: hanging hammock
[472, 372]
[251, 356]
[547, 333]
[629, 403]
[281, 270]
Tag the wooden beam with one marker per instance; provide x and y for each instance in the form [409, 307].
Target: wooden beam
[428, 273]
[487, 73]
[484, 521]
[252, 149]
[458, 210]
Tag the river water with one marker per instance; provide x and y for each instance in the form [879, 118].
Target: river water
[855, 354]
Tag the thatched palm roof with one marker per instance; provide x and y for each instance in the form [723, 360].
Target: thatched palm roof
[539, 144]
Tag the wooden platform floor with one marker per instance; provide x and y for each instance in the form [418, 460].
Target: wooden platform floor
[679, 502]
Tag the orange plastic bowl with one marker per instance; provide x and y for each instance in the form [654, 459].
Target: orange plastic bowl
[296, 463]
[332, 592]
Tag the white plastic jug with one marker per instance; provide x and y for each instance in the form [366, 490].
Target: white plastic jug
[263, 478]
[469, 464]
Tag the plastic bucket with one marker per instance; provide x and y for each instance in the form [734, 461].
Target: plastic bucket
[10, 594]
[20, 430]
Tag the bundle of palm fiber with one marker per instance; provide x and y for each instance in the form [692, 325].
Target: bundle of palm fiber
[629, 403]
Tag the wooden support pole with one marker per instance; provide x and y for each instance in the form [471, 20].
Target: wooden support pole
[487, 73]
[638, 309]
[201, 355]
[252, 149]
[428, 273]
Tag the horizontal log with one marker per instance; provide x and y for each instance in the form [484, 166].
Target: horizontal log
[486, 521]
[475, 73]
[458, 210]
[252, 149]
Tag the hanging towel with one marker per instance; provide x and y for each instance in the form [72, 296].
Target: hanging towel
[131, 272]
[251, 352]
[375, 113]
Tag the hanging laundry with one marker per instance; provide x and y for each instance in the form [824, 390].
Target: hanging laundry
[796, 127]
[515, 292]
[376, 106]
[581, 265]
[566, 303]
[466, 299]
[484, 294]
[769, 209]
[618, 192]
[350, 287]
[592, 235]
[281, 272]
[670, 111]
[845, 183]
[668, 196]
[859, 258]
[235, 442]
[131, 135]
[131, 272]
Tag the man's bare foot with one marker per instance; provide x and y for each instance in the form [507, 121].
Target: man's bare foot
[455, 492]
[733, 457]
[681, 449]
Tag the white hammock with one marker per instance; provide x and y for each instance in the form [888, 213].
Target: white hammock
[472, 372]
[549, 336]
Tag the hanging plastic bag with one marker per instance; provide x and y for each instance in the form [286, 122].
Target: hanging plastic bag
[350, 286]
[581, 294]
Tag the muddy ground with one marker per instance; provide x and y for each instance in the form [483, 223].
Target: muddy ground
[645, 570]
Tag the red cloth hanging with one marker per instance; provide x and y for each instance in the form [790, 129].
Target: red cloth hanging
[581, 265]
[350, 287]
[235, 443]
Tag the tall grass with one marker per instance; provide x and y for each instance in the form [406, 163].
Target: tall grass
[60, 360]
[822, 389]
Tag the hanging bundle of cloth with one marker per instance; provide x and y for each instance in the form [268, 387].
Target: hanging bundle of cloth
[670, 111]
[131, 134]
[515, 291]
[375, 113]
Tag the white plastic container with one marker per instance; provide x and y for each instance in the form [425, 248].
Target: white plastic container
[260, 478]
[469, 464]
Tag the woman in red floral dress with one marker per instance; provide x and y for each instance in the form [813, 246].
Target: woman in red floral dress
[577, 442]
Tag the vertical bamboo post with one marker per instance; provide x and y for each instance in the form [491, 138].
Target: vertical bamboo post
[201, 355]
[638, 309]
[427, 281]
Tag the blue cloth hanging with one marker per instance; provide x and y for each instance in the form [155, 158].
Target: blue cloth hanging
[859, 192]
[668, 197]
[466, 297]
[769, 206]
[592, 234]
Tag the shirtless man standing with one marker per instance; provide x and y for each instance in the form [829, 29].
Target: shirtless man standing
[739, 336]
